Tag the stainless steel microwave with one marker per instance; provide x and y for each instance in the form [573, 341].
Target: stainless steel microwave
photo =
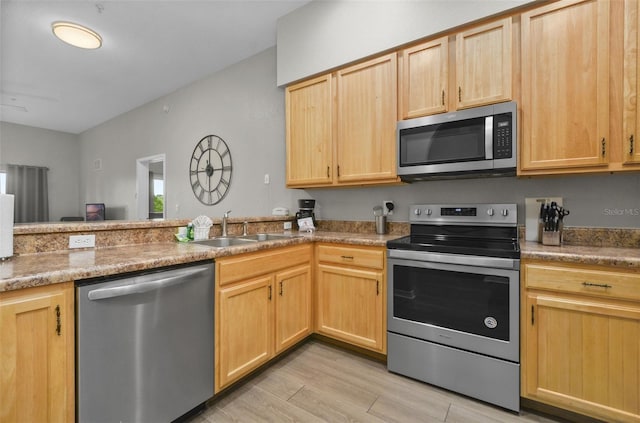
[474, 142]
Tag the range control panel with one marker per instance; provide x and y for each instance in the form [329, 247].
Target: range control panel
[464, 214]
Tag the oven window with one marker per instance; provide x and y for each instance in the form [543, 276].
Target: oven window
[467, 302]
[443, 143]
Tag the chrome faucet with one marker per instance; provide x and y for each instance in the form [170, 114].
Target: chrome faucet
[224, 223]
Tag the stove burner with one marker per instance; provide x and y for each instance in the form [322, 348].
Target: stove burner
[461, 233]
[475, 247]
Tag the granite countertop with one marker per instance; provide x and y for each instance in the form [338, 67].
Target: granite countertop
[628, 258]
[38, 269]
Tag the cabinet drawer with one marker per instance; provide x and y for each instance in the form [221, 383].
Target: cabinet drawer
[601, 283]
[363, 257]
[246, 266]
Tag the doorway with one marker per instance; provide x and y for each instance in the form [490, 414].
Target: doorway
[150, 187]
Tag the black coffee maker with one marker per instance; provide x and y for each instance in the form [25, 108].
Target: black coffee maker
[306, 209]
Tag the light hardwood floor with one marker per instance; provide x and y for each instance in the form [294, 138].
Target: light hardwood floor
[322, 383]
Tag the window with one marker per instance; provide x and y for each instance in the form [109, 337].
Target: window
[157, 196]
[3, 182]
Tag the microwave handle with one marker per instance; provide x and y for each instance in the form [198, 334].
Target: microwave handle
[488, 137]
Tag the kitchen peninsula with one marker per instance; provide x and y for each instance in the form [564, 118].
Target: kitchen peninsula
[38, 285]
[42, 256]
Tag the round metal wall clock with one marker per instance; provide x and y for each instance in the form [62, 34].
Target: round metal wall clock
[210, 170]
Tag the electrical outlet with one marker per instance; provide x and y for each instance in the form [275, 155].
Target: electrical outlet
[266, 179]
[387, 207]
[82, 241]
[287, 226]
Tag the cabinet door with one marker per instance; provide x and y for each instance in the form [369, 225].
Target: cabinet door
[583, 355]
[565, 85]
[37, 350]
[484, 64]
[630, 144]
[424, 77]
[309, 132]
[367, 116]
[350, 306]
[245, 339]
[293, 306]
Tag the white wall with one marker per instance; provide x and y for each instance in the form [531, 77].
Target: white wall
[59, 151]
[240, 104]
[325, 34]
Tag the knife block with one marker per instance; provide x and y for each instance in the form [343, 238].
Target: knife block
[552, 237]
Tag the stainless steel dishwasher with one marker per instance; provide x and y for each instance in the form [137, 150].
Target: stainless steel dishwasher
[145, 345]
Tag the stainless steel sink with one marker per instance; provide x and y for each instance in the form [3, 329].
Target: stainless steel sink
[225, 242]
[230, 241]
[266, 237]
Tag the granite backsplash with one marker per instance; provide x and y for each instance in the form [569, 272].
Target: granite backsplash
[35, 238]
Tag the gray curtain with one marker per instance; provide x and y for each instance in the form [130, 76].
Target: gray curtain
[29, 186]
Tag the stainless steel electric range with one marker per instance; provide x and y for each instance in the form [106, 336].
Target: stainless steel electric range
[453, 300]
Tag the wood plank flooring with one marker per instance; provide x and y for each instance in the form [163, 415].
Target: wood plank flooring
[318, 382]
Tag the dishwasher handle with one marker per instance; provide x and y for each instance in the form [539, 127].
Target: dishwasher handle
[141, 287]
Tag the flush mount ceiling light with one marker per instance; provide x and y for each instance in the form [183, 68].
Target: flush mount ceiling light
[76, 35]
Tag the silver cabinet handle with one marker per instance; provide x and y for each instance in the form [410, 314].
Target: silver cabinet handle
[140, 287]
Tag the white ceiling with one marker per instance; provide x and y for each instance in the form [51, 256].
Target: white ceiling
[150, 48]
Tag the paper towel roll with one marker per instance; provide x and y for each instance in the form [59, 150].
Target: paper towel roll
[6, 225]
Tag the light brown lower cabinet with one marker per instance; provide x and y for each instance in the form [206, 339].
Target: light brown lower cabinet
[37, 354]
[263, 306]
[581, 339]
[351, 295]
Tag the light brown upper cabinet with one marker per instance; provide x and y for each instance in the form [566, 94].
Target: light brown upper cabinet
[565, 87]
[309, 132]
[484, 64]
[435, 79]
[366, 122]
[424, 75]
[341, 127]
[631, 122]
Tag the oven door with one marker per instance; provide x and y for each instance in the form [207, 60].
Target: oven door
[467, 302]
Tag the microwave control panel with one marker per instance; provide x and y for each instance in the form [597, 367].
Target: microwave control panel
[502, 136]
